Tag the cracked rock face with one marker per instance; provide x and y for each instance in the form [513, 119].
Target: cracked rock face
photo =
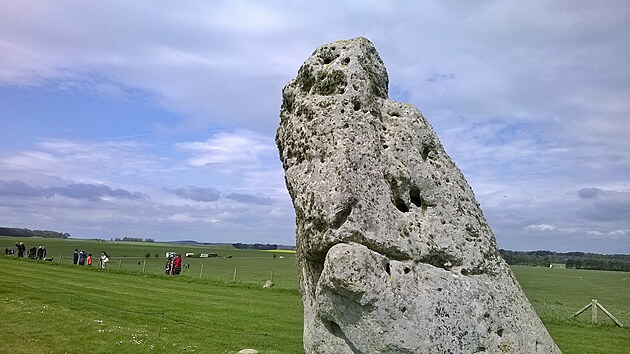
[394, 253]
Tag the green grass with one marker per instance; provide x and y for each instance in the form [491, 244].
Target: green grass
[66, 308]
[39, 315]
[557, 294]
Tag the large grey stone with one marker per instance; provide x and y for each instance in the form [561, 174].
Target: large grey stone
[394, 253]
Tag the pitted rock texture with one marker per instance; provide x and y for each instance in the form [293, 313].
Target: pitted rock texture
[394, 253]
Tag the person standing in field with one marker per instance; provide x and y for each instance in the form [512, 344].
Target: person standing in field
[21, 249]
[82, 256]
[177, 265]
[103, 261]
[89, 259]
[75, 256]
[168, 269]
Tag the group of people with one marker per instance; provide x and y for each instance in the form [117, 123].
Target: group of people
[83, 258]
[37, 253]
[32, 253]
[173, 265]
[80, 258]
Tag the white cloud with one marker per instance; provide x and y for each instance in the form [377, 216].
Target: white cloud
[98, 162]
[230, 150]
[542, 227]
[114, 188]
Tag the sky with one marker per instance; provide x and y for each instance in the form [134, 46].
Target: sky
[157, 119]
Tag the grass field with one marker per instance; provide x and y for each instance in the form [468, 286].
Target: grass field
[60, 307]
[557, 293]
[65, 308]
[252, 266]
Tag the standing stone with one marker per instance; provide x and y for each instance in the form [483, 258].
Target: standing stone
[394, 253]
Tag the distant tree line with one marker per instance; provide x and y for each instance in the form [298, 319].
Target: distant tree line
[18, 232]
[603, 264]
[133, 239]
[257, 246]
[574, 260]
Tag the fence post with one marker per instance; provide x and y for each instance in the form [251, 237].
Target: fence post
[144, 265]
[234, 274]
[119, 261]
[60, 257]
[609, 314]
[201, 272]
[594, 305]
[272, 275]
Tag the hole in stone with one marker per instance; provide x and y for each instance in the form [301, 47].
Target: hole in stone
[414, 195]
[388, 269]
[403, 309]
[472, 231]
[407, 270]
[356, 105]
[486, 315]
[335, 329]
[427, 149]
[441, 259]
[333, 48]
[464, 271]
[338, 332]
[394, 114]
[500, 332]
[346, 61]
[481, 349]
[342, 216]
[400, 204]
[385, 146]
[396, 193]
[425, 152]
[439, 289]
[343, 111]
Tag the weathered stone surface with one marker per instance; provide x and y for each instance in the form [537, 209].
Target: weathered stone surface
[394, 253]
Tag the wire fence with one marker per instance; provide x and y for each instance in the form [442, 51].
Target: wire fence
[281, 271]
